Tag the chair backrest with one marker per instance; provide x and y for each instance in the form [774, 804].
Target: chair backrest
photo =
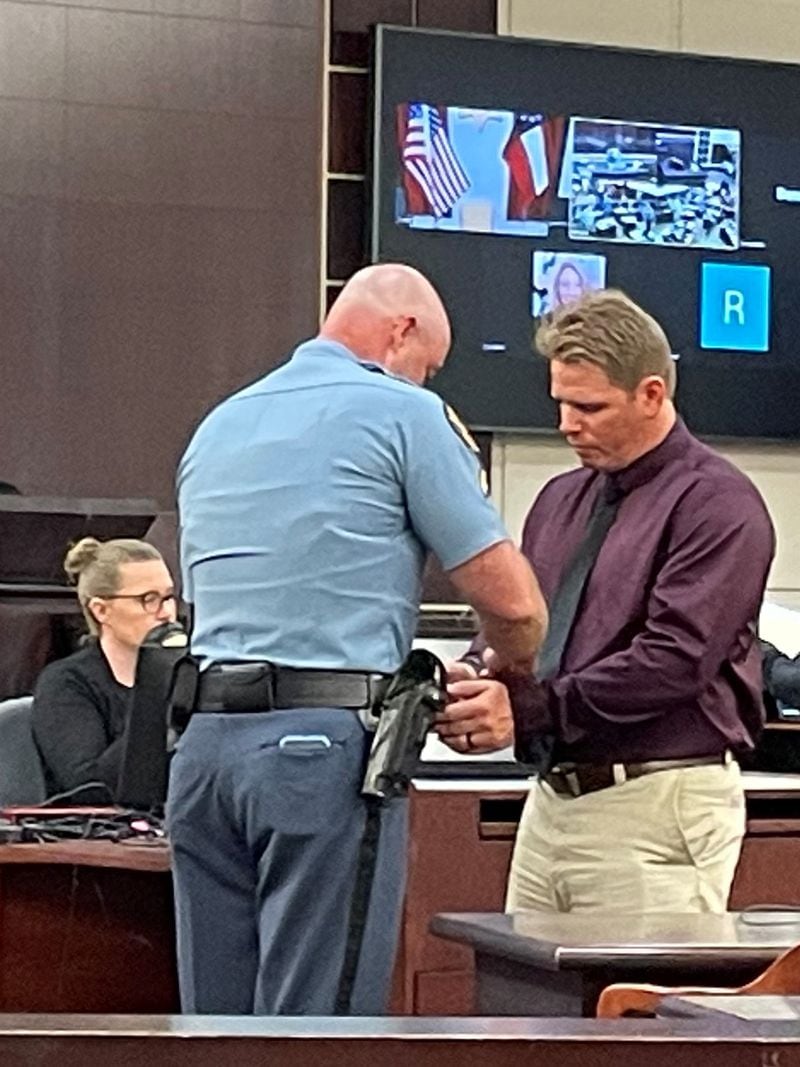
[781, 978]
[21, 773]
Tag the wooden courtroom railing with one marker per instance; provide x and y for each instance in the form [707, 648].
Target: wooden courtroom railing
[197, 1041]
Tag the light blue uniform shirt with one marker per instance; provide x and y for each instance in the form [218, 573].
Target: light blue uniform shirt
[307, 502]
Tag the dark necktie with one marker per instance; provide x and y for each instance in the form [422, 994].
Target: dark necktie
[567, 597]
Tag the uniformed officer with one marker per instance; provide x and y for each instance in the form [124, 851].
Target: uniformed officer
[307, 504]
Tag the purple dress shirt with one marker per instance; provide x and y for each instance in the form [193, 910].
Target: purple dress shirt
[662, 661]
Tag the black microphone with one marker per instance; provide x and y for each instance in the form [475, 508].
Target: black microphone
[144, 766]
[167, 635]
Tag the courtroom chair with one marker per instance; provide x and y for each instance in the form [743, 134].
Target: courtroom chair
[21, 772]
[781, 978]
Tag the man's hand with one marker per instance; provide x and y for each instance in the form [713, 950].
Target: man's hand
[478, 718]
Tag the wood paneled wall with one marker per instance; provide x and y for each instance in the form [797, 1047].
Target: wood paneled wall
[160, 214]
[159, 225]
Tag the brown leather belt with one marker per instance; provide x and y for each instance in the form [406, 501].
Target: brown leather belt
[249, 687]
[577, 779]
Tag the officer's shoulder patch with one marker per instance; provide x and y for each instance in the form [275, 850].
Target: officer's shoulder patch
[457, 423]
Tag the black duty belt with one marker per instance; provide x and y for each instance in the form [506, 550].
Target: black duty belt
[248, 687]
[577, 779]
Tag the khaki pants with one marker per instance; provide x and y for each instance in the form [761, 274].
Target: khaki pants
[666, 842]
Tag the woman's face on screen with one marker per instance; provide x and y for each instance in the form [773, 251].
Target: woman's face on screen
[569, 285]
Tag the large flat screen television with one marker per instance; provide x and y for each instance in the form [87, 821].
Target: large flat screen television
[518, 173]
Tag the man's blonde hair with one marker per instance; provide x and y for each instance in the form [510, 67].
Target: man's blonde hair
[607, 328]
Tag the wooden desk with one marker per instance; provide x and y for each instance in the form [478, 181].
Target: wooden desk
[104, 911]
[86, 926]
[540, 964]
[462, 834]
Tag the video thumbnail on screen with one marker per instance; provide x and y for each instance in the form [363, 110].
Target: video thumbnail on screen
[476, 169]
[652, 184]
[560, 277]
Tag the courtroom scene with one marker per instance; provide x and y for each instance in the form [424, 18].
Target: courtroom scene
[399, 532]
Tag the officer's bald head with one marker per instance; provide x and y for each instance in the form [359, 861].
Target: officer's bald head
[392, 314]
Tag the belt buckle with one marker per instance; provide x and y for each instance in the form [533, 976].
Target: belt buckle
[569, 778]
[573, 783]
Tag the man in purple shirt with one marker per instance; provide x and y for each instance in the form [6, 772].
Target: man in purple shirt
[657, 683]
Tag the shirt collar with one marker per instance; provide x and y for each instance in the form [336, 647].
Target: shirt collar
[646, 467]
[323, 346]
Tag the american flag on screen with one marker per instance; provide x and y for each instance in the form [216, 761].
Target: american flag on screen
[429, 159]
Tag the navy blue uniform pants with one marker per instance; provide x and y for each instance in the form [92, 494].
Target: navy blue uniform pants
[265, 821]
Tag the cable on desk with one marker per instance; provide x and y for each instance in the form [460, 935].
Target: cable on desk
[120, 826]
[72, 792]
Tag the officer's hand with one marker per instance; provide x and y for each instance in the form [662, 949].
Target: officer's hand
[494, 664]
[458, 671]
[478, 717]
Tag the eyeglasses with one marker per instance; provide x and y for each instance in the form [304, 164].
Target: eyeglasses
[152, 602]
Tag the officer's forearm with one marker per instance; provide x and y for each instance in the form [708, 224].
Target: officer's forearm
[501, 586]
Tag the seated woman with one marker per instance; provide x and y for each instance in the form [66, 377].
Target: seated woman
[81, 703]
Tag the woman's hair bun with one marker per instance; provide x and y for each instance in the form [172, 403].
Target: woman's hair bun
[80, 556]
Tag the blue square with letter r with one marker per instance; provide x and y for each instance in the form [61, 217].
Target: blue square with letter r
[735, 306]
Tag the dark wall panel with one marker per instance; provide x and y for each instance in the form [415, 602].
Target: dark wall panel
[477, 16]
[159, 225]
[351, 24]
